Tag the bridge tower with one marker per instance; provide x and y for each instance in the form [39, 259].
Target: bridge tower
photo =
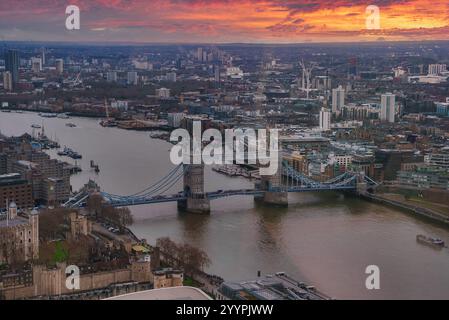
[197, 201]
[361, 185]
[274, 191]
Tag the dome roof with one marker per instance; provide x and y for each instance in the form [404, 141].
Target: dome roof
[34, 212]
[12, 205]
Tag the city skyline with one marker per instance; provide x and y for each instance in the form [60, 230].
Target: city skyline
[224, 21]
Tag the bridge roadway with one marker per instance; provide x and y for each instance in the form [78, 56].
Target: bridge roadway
[132, 201]
[293, 182]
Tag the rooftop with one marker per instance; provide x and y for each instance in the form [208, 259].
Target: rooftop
[172, 293]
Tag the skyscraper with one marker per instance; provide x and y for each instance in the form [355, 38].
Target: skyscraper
[111, 76]
[199, 54]
[7, 81]
[436, 69]
[338, 99]
[12, 64]
[132, 78]
[36, 64]
[59, 66]
[387, 110]
[43, 56]
[325, 120]
[217, 73]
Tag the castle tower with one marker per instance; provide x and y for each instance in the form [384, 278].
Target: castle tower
[12, 211]
[34, 221]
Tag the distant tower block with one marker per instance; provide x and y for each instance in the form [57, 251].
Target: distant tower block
[197, 201]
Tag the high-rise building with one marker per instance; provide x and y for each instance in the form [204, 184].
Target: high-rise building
[36, 64]
[7, 81]
[217, 73]
[436, 69]
[325, 119]
[12, 64]
[163, 93]
[59, 66]
[132, 78]
[199, 54]
[174, 119]
[387, 110]
[338, 99]
[171, 76]
[111, 76]
[43, 56]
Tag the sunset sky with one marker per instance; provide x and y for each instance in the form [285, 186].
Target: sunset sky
[220, 21]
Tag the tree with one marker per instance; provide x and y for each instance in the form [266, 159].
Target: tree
[95, 204]
[52, 223]
[184, 256]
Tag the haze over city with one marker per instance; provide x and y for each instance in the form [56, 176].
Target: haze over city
[224, 21]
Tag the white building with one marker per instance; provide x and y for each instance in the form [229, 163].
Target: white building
[338, 99]
[59, 65]
[120, 105]
[436, 69]
[7, 81]
[111, 76]
[342, 160]
[234, 73]
[387, 108]
[163, 93]
[36, 64]
[174, 119]
[325, 119]
[132, 78]
[171, 76]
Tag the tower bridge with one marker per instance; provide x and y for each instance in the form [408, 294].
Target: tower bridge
[193, 198]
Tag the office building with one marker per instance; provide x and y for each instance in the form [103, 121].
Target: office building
[14, 188]
[199, 54]
[132, 78]
[7, 81]
[443, 108]
[111, 76]
[163, 93]
[12, 64]
[325, 119]
[59, 66]
[436, 69]
[36, 64]
[171, 76]
[338, 99]
[387, 109]
[174, 119]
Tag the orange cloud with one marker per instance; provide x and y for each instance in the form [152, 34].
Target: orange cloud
[238, 20]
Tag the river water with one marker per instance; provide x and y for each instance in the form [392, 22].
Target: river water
[324, 239]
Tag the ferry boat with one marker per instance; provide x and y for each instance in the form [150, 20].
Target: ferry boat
[108, 123]
[434, 242]
[63, 116]
[48, 115]
[69, 153]
[71, 125]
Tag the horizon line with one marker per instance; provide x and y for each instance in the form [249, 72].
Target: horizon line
[137, 43]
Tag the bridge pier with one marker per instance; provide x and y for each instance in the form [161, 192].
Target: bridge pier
[194, 205]
[277, 198]
[274, 191]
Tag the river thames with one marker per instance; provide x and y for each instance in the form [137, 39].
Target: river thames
[326, 240]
